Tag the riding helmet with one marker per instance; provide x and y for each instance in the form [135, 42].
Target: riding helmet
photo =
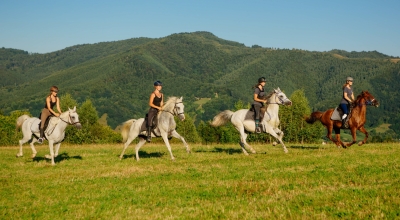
[261, 79]
[157, 83]
[349, 79]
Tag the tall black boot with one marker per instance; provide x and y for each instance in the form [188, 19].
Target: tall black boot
[148, 139]
[40, 140]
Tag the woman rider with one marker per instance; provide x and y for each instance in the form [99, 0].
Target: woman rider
[156, 103]
[258, 103]
[348, 97]
[51, 101]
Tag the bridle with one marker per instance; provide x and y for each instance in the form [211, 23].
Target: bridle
[175, 111]
[70, 121]
[280, 99]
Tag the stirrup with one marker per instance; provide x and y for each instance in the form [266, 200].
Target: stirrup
[148, 138]
[258, 130]
[40, 140]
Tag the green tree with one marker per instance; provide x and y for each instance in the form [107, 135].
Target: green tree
[293, 124]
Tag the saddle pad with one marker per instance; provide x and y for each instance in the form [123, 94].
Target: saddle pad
[336, 115]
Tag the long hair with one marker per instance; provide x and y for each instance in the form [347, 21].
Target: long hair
[52, 89]
[344, 85]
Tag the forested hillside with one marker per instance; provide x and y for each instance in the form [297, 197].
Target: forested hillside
[118, 76]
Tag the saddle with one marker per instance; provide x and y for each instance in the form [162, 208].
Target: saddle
[262, 112]
[153, 125]
[49, 126]
[337, 116]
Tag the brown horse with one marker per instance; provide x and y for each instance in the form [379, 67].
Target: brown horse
[355, 122]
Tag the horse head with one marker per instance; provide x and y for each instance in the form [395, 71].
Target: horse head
[73, 117]
[366, 98]
[179, 108]
[281, 98]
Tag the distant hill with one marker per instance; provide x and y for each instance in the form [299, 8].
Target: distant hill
[118, 76]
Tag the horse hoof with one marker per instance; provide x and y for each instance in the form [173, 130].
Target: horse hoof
[19, 155]
[33, 156]
[47, 156]
[360, 143]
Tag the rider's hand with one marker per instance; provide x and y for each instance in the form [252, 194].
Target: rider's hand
[57, 114]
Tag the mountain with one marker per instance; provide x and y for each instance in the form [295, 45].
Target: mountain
[118, 76]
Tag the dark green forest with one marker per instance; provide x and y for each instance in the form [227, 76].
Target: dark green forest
[117, 77]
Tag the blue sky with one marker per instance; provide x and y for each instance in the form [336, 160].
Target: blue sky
[43, 26]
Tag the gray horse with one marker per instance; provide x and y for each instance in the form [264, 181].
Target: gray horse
[166, 127]
[55, 132]
[244, 119]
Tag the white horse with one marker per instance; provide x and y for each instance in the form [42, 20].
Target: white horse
[244, 119]
[165, 127]
[54, 133]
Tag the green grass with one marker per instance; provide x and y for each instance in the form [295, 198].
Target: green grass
[382, 128]
[213, 182]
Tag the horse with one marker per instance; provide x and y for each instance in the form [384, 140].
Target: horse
[356, 119]
[165, 127]
[54, 133]
[243, 119]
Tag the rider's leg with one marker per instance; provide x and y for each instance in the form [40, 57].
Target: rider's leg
[257, 118]
[345, 110]
[152, 113]
[43, 116]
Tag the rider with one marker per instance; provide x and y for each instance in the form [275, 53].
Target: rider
[348, 97]
[258, 103]
[51, 101]
[156, 103]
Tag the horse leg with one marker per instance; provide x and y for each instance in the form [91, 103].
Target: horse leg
[164, 136]
[128, 141]
[280, 136]
[34, 152]
[272, 132]
[176, 135]
[243, 137]
[362, 129]
[138, 146]
[51, 156]
[57, 149]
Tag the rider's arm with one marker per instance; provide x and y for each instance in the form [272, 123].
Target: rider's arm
[49, 107]
[258, 100]
[347, 97]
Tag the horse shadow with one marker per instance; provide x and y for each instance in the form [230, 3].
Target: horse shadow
[59, 158]
[144, 154]
[222, 150]
[306, 147]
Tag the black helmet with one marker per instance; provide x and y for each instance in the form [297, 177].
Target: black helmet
[157, 83]
[261, 79]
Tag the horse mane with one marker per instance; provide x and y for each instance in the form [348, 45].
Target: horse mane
[359, 97]
[170, 104]
[266, 97]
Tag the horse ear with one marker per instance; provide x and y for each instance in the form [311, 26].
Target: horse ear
[181, 98]
[69, 109]
[74, 109]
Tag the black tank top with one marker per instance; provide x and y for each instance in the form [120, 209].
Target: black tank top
[52, 104]
[157, 100]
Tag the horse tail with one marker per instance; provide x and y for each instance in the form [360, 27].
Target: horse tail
[20, 120]
[222, 118]
[126, 126]
[315, 116]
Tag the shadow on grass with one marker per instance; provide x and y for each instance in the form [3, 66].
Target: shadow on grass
[306, 147]
[222, 150]
[59, 158]
[144, 154]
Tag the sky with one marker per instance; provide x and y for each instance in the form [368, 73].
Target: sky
[44, 26]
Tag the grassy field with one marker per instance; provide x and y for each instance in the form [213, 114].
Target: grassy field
[213, 182]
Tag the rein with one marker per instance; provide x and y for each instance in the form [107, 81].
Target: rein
[177, 113]
[70, 119]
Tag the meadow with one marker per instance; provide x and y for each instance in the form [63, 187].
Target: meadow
[213, 182]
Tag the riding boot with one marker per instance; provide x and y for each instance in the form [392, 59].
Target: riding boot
[148, 139]
[40, 140]
[258, 129]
